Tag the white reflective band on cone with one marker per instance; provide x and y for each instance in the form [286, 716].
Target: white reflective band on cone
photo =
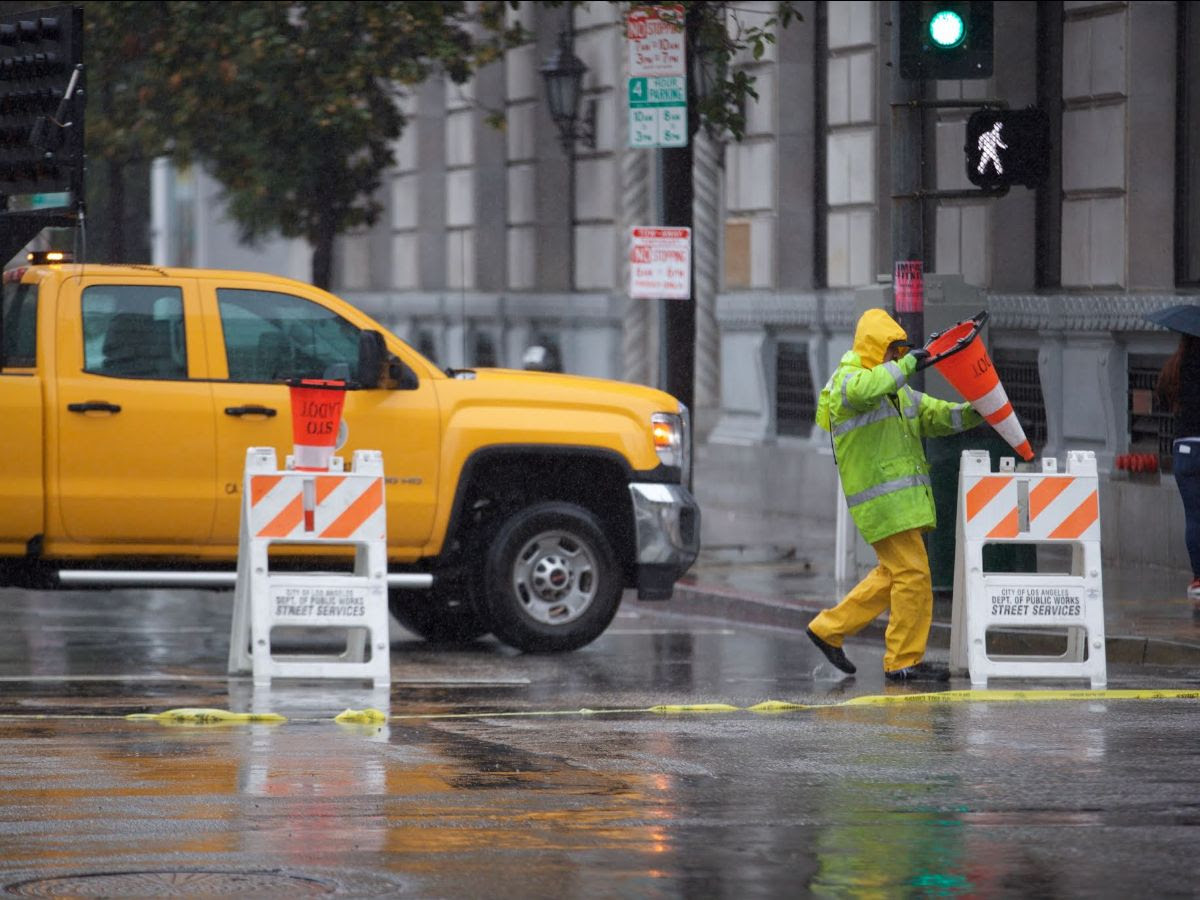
[309, 456]
[1010, 429]
[992, 401]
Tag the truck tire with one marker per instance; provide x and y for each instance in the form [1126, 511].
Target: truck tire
[441, 616]
[551, 579]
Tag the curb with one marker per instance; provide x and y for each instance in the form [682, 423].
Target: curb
[735, 606]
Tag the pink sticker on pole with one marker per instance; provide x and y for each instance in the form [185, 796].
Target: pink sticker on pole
[908, 284]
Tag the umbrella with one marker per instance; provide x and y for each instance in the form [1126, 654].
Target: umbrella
[1185, 318]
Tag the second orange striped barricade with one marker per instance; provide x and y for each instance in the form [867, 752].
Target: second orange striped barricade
[330, 507]
[1045, 507]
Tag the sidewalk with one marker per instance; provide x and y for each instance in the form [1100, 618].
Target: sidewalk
[776, 572]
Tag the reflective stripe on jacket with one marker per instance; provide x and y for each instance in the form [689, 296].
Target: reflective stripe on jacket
[877, 423]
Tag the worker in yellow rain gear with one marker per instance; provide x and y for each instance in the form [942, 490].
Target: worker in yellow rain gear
[877, 421]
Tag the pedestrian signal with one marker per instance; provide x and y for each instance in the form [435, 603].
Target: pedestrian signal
[1008, 146]
[945, 40]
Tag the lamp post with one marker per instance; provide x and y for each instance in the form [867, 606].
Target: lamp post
[563, 74]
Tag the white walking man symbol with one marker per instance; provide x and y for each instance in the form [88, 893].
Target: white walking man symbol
[989, 141]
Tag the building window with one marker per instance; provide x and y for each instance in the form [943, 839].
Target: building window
[795, 398]
[427, 345]
[1187, 147]
[1151, 425]
[1018, 372]
[485, 351]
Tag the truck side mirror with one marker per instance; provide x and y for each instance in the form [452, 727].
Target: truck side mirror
[372, 355]
[378, 368]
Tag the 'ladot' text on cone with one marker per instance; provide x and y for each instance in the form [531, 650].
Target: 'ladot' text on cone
[316, 416]
[969, 370]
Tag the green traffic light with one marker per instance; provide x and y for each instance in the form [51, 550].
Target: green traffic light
[946, 29]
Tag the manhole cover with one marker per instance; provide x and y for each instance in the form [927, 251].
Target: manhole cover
[170, 884]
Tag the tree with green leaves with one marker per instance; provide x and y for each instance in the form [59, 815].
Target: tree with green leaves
[295, 107]
[720, 35]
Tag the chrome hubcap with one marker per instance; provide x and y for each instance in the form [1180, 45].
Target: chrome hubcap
[555, 577]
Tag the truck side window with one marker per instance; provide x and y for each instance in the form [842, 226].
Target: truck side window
[271, 336]
[18, 327]
[134, 331]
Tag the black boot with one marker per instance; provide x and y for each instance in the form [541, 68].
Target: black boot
[833, 654]
[922, 671]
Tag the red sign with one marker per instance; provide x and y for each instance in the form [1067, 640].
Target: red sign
[908, 285]
[660, 263]
[656, 41]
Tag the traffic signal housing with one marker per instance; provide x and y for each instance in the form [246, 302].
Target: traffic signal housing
[41, 101]
[945, 40]
[1008, 146]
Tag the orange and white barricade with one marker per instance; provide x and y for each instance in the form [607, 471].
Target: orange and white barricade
[1036, 507]
[330, 507]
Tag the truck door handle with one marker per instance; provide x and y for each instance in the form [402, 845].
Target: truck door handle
[94, 406]
[249, 411]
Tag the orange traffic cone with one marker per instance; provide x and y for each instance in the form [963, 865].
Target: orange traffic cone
[963, 361]
[316, 417]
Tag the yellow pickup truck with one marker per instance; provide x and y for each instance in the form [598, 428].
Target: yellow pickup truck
[519, 503]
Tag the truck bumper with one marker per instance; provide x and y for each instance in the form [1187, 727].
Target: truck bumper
[667, 521]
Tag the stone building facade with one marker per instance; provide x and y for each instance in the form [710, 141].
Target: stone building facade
[482, 252]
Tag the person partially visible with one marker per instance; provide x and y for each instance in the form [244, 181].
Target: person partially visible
[1178, 388]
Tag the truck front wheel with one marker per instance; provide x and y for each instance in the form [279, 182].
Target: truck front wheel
[552, 582]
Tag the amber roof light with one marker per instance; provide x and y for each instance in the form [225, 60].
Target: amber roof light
[47, 257]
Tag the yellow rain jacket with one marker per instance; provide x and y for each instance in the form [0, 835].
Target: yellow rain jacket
[877, 423]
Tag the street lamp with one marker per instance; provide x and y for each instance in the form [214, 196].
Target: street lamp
[563, 73]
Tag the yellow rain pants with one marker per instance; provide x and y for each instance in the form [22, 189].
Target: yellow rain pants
[900, 583]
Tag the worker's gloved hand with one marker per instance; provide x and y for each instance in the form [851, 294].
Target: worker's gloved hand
[921, 355]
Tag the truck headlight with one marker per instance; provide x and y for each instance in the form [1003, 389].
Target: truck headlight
[672, 441]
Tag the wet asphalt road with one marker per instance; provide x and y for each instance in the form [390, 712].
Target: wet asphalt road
[488, 781]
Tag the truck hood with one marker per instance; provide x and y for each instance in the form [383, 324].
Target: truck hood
[554, 388]
[494, 407]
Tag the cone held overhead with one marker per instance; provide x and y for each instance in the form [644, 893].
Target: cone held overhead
[964, 362]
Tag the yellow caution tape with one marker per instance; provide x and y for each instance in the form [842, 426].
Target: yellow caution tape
[985, 696]
[369, 716]
[201, 716]
[695, 707]
[770, 706]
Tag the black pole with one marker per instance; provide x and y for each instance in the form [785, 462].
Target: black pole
[907, 151]
[569, 148]
[679, 321]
